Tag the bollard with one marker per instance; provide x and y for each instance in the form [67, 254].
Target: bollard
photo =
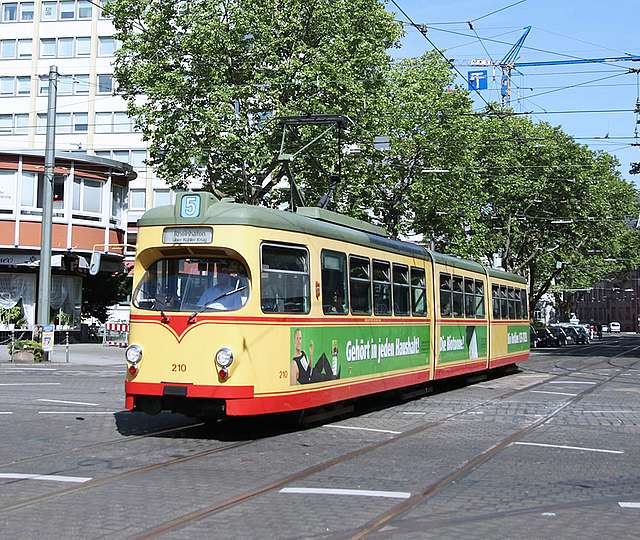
[66, 347]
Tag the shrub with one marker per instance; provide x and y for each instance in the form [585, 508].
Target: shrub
[27, 345]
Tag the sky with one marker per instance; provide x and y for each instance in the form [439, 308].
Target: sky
[562, 28]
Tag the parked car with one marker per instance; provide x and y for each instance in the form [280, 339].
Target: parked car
[582, 335]
[559, 336]
[614, 327]
[605, 328]
[572, 334]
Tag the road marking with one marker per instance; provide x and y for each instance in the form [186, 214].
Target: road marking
[593, 412]
[570, 447]
[556, 393]
[69, 402]
[570, 382]
[30, 369]
[49, 477]
[629, 504]
[357, 492]
[76, 412]
[409, 412]
[6, 413]
[365, 429]
[30, 384]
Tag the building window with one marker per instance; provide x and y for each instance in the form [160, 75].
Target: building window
[81, 84]
[67, 10]
[118, 197]
[65, 85]
[83, 46]
[8, 47]
[80, 122]
[48, 48]
[23, 87]
[65, 47]
[28, 189]
[121, 155]
[91, 196]
[6, 124]
[138, 158]
[137, 199]
[63, 123]
[24, 48]
[49, 11]
[161, 197]
[10, 12]
[121, 122]
[85, 9]
[41, 124]
[103, 122]
[26, 11]
[22, 124]
[7, 85]
[106, 46]
[105, 84]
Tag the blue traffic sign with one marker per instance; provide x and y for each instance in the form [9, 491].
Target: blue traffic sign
[477, 79]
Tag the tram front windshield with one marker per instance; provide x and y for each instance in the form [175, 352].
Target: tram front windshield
[193, 284]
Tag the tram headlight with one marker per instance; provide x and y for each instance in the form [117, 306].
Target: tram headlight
[133, 354]
[224, 357]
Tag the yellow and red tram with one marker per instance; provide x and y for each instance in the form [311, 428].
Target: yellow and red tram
[242, 310]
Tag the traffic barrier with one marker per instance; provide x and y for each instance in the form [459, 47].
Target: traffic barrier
[116, 334]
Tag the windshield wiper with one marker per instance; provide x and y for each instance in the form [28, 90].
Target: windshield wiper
[228, 293]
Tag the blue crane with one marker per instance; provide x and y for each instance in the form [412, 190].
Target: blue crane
[509, 63]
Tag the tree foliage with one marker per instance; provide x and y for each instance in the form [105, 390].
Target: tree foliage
[207, 80]
[102, 291]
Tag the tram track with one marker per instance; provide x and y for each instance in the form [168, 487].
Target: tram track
[203, 513]
[470, 465]
[197, 515]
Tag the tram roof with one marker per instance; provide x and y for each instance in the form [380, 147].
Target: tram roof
[230, 213]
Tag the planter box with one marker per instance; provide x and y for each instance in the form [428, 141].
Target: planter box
[23, 357]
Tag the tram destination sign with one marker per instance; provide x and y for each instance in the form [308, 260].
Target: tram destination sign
[187, 235]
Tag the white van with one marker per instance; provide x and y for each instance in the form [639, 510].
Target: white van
[614, 327]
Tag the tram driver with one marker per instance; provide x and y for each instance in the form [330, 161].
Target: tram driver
[230, 290]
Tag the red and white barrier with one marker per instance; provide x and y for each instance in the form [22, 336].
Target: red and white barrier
[116, 334]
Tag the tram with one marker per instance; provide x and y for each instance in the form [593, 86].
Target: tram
[241, 310]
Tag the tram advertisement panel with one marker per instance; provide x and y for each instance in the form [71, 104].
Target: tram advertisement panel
[462, 342]
[518, 338]
[320, 354]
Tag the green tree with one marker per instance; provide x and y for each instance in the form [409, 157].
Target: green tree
[215, 74]
[102, 291]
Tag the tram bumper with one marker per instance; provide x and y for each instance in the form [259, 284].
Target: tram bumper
[184, 398]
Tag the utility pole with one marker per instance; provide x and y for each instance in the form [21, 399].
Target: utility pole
[44, 276]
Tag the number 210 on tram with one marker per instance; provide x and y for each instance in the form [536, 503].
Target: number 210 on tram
[242, 310]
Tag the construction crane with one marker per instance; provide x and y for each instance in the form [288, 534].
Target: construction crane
[509, 63]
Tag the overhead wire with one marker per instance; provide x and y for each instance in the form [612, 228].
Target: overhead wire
[481, 17]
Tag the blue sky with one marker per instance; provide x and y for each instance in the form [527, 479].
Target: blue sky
[578, 28]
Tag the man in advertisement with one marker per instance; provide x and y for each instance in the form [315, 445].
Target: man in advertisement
[302, 369]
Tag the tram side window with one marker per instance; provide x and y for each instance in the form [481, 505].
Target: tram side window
[504, 302]
[518, 302]
[511, 293]
[495, 301]
[334, 283]
[525, 304]
[446, 300]
[285, 279]
[418, 291]
[458, 297]
[381, 288]
[360, 285]
[479, 299]
[469, 298]
[401, 291]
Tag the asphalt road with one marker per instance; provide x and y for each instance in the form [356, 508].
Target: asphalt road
[551, 451]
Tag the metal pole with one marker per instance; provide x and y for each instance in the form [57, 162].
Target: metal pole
[13, 343]
[66, 347]
[44, 277]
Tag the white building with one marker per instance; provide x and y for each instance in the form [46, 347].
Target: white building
[91, 117]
